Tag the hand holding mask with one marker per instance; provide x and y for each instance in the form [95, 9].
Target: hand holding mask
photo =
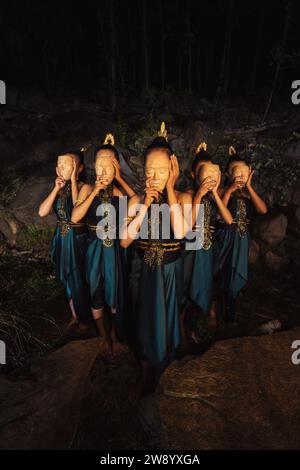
[239, 173]
[65, 167]
[209, 175]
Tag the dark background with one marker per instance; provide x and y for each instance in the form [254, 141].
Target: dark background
[112, 50]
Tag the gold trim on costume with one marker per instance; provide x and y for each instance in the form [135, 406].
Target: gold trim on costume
[154, 251]
[241, 219]
[109, 139]
[163, 131]
[202, 146]
[231, 150]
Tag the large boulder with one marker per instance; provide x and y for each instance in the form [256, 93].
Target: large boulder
[26, 204]
[243, 393]
[42, 411]
[271, 228]
[292, 151]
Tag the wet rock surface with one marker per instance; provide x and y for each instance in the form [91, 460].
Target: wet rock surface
[240, 394]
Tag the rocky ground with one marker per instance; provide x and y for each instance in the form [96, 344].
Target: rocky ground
[33, 309]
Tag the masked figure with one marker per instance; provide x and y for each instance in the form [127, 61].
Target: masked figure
[157, 266]
[232, 241]
[99, 204]
[69, 240]
[199, 261]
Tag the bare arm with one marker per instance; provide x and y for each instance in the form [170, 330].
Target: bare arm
[125, 186]
[86, 196]
[74, 185]
[223, 211]
[259, 204]
[46, 206]
[134, 220]
[179, 223]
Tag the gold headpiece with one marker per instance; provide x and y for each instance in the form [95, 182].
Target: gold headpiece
[109, 139]
[163, 131]
[231, 151]
[202, 146]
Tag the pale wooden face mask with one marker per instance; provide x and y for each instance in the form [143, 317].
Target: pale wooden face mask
[65, 166]
[210, 171]
[157, 168]
[239, 172]
[104, 168]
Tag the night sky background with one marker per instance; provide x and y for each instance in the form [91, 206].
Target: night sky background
[113, 49]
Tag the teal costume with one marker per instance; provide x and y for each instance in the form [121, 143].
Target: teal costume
[68, 253]
[105, 259]
[157, 285]
[231, 251]
[201, 282]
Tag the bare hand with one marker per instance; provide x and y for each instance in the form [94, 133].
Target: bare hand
[235, 185]
[173, 172]
[59, 183]
[205, 187]
[249, 181]
[216, 186]
[100, 184]
[117, 168]
[74, 173]
[151, 193]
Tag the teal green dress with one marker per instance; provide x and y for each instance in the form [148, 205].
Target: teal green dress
[105, 259]
[68, 251]
[201, 268]
[231, 251]
[156, 282]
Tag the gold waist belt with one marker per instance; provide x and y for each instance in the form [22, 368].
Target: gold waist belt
[244, 221]
[107, 242]
[66, 225]
[97, 227]
[154, 252]
[197, 228]
[150, 245]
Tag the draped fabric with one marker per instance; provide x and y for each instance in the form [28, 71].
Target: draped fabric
[68, 250]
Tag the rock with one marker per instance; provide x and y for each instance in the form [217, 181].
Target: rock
[294, 220]
[270, 228]
[242, 393]
[201, 132]
[43, 412]
[270, 327]
[273, 261]
[26, 204]
[292, 151]
[254, 252]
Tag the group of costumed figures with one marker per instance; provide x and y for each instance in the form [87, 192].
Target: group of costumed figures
[137, 286]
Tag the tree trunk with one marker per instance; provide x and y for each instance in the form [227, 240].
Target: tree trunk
[287, 22]
[190, 50]
[162, 47]
[113, 98]
[145, 46]
[256, 54]
[224, 71]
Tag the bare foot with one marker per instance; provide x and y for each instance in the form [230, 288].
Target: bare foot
[118, 347]
[83, 328]
[195, 337]
[212, 318]
[106, 347]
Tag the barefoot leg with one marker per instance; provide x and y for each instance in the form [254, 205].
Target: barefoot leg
[212, 315]
[98, 315]
[118, 347]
